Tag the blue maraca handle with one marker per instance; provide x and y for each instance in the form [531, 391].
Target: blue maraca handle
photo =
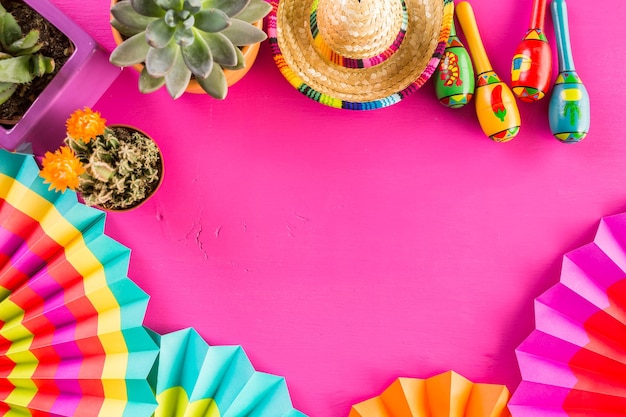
[561, 30]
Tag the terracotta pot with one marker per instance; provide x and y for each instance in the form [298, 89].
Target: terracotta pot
[161, 171]
[250, 53]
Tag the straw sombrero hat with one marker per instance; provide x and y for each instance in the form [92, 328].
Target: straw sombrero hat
[358, 54]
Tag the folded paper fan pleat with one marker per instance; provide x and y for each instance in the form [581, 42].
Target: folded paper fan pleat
[574, 362]
[193, 379]
[71, 335]
[445, 395]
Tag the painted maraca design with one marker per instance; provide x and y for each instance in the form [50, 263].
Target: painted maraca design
[569, 104]
[495, 103]
[531, 71]
[454, 78]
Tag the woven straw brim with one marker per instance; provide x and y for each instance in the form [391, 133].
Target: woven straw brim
[371, 87]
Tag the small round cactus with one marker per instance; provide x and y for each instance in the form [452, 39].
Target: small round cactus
[176, 39]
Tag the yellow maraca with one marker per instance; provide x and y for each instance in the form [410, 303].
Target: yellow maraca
[495, 103]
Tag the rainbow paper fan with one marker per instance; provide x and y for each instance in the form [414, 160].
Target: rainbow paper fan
[70, 319]
[444, 395]
[193, 379]
[574, 362]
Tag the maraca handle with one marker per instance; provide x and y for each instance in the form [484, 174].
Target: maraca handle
[538, 16]
[453, 29]
[561, 30]
[467, 19]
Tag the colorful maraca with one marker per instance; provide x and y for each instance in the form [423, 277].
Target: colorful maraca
[454, 77]
[569, 104]
[495, 103]
[531, 71]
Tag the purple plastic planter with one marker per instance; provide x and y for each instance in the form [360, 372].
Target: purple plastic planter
[80, 82]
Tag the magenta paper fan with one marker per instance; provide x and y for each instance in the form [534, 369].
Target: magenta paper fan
[574, 362]
[71, 335]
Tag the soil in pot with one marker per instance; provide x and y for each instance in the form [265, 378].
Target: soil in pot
[56, 46]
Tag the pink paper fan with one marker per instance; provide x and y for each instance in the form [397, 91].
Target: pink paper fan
[574, 362]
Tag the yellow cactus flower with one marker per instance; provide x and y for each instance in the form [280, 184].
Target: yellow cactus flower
[61, 169]
[85, 125]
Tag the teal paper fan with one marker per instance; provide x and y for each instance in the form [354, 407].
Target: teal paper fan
[72, 341]
[193, 379]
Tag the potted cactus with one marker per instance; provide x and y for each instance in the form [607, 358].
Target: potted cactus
[116, 167]
[45, 58]
[187, 45]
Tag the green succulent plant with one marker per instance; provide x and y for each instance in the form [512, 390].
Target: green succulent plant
[19, 61]
[177, 38]
[121, 168]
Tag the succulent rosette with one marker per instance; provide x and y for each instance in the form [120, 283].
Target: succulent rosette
[176, 39]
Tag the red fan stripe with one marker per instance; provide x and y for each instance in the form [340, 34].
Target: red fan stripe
[28, 229]
[605, 387]
[10, 278]
[4, 347]
[6, 387]
[4, 407]
[88, 405]
[582, 402]
[45, 398]
[6, 367]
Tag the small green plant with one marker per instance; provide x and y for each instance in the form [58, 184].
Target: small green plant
[111, 167]
[19, 61]
[176, 39]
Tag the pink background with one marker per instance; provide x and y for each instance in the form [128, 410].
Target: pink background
[344, 249]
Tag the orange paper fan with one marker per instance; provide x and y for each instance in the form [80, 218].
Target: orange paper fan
[445, 395]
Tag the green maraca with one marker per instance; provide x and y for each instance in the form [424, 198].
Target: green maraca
[454, 77]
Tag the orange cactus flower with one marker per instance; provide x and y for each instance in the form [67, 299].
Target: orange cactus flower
[85, 125]
[61, 169]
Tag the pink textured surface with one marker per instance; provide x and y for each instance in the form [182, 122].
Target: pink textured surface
[344, 249]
